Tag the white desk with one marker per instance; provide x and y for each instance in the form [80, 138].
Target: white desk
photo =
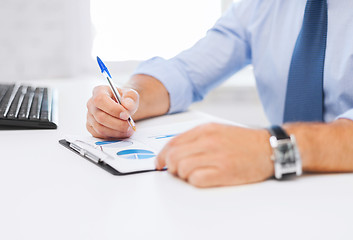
[47, 192]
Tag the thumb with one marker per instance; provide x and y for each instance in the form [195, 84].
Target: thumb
[130, 100]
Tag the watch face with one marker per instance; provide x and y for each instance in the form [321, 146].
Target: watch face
[284, 147]
[284, 152]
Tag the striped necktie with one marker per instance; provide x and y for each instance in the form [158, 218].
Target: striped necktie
[304, 97]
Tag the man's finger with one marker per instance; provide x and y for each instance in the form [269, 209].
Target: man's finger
[186, 166]
[196, 135]
[196, 153]
[105, 131]
[184, 139]
[129, 105]
[130, 100]
[108, 120]
[105, 103]
[91, 131]
[205, 177]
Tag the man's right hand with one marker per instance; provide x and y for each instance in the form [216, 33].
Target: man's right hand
[108, 119]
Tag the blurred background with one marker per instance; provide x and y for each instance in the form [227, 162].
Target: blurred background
[59, 39]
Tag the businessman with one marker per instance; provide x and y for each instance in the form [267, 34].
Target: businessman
[302, 54]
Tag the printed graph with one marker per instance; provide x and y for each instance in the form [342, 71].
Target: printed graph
[164, 136]
[136, 154]
[114, 143]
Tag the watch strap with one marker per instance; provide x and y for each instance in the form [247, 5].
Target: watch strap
[278, 132]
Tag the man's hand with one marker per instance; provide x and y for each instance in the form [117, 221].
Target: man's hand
[144, 97]
[108, 119]
[218, 155]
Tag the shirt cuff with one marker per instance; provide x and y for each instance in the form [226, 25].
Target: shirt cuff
[177, 85]
[347, 115]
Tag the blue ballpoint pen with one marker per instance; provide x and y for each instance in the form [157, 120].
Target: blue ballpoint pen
[116, 94]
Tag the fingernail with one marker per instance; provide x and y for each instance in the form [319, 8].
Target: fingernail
[124, 115]
[128, 101]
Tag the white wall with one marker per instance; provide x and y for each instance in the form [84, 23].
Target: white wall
[44, 38]
[49, 39]
[226, 4]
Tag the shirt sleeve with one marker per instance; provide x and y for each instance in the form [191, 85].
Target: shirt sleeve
[348, 115]
[189, 76]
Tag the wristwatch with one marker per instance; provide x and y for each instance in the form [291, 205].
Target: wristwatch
[285, 155]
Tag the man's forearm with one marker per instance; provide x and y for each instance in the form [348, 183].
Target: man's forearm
[325, 147]
[154, 97]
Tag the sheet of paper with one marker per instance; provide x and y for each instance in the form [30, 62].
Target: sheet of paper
[138, 152]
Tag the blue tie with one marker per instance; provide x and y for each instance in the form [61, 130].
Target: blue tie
[304, 97]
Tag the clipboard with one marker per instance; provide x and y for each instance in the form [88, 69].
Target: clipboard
[137, 153]
[96, 160]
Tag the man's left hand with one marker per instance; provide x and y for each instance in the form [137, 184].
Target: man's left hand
[218, 155]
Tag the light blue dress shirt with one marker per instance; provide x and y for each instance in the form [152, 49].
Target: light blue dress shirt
[262, 33]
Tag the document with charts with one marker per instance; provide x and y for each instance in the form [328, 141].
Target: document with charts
[137, 153]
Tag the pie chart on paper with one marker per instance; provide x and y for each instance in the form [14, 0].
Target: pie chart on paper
[136, 154]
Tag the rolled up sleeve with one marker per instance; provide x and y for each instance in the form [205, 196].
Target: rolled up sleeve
[180, 92]
[347, 115]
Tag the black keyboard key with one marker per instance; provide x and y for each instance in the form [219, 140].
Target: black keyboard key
[26, 104]
[44, 113]
[3, 90]
[16, 103]
[6, 101]
[36, 104]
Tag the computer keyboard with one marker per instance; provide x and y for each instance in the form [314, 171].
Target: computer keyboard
[23, 106]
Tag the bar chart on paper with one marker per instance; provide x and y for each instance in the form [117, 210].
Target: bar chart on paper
[136, 154]
[114, 143]
[164, 136]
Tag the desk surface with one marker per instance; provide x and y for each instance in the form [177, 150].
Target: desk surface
[47, 192]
